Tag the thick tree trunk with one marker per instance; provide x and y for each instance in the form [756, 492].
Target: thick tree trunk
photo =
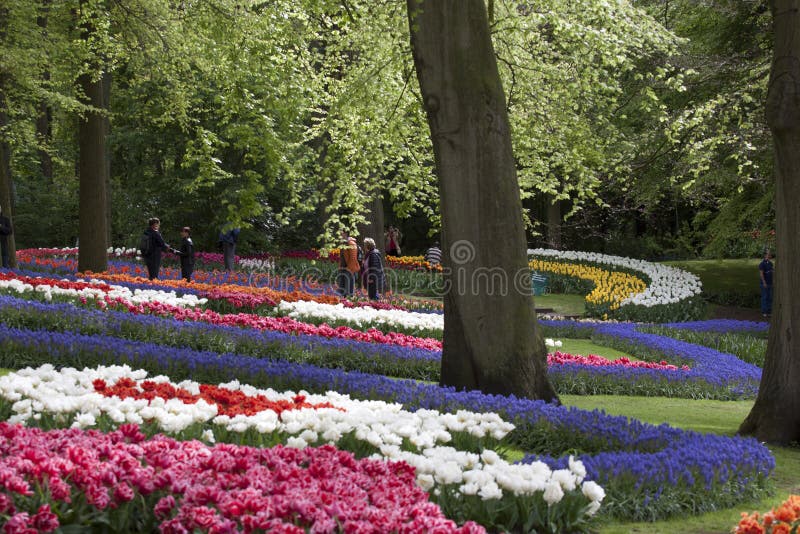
[92, 169]
[491, 339]
[375, 222]
[553, 221]
[92, 216]
[775, 417]
[6, 200]
[107, 158]
[44, 128]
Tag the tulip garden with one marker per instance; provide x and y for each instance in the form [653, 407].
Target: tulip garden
[258, 400]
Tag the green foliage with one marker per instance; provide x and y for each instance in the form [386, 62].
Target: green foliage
[742, 227]
[288, 118]
[690, 309]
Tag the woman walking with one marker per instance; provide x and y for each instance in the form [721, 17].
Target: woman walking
[373, 269]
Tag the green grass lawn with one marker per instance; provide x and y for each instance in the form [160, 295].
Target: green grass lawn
[584, 347]
[562, 304]
[738, 276]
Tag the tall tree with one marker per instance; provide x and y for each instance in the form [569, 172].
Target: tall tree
[491, 339]
[44, 120]
[775, 416]
[5, 149]
[92, 159]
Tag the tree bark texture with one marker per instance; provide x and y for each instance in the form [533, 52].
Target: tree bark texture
[775, 417]
[92, 170]
[553, 221]
[491, 339]
[6, 188]
[44, 120]
[375, 222]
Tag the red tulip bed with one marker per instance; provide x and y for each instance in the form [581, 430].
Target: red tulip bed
[143, 485]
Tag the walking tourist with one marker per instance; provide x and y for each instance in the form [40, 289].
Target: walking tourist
[373, 269]
[151, 246]
[765, 270]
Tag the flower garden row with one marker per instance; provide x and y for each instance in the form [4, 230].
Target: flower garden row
[703, 373]
[627, 289]
[615, 287]
[96, 350]
[645, 471]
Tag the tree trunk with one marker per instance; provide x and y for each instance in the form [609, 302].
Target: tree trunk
[775, 417]
[375, 222]
[491, 339]
[92, 170]
[553, 221]
[107, 132]
[6, 200]
[44, 120]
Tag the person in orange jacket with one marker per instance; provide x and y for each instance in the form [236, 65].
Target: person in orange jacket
[348, 267]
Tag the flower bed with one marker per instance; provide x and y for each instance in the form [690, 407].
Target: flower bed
[783, 519]
[123, 482]
[417, 324]
[647, 471]
[714, 375]
[381, 358]
[394, 360]
[48, 287]
[739, 379]
[302, 283]
[469, 468]
[168, 304]
[670, 293]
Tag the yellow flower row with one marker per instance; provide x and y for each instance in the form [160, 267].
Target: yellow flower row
[610, 287]
[415, 262]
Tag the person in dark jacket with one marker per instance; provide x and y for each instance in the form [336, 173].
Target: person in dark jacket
[227, 242]
[373, 269]
[5, 231]
[157, 246]
[765, 271]
[186, 254]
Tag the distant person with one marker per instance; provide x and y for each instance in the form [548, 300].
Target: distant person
[348, 266]
[393, 237]
[765, 270]
[186, 254]
[227, 240]
[5, 231]
[151, 247]
[434, 255]
[372, 269]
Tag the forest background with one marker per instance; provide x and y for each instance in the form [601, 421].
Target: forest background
[638, 128]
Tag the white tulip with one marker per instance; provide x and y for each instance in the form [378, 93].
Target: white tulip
[553, 493]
